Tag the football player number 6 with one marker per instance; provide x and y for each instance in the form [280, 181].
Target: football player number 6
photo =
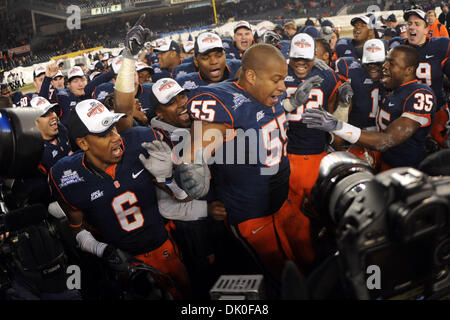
[131, 218]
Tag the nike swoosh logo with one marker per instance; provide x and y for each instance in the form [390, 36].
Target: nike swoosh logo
[257, 230]
[391, 104]
[428, 57]
[135, 175]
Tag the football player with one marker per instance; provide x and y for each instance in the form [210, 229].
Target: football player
[242, 39]
[253, 189]
[210, 60]
[307, 147]
[404, 119]
[362, 31]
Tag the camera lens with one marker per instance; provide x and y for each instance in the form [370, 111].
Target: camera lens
[21, 144]
[342, 176]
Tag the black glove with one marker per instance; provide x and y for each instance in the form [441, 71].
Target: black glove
[136, 37]
[116, 259]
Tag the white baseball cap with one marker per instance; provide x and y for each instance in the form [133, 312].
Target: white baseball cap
[362, 18]
[58, 74]
[164, 90]
[207, 41]
[75, 72]
[38, 71]
[167, 45]
[91, 117]
[42, 104]
[140, 66]
[242, 24]
[188, 46]
[373, 51]
[302, 46]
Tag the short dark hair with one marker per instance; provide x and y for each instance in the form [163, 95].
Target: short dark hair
[326, 45]
[412, 57]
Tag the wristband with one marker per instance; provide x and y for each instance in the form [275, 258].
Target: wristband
[125, 78]
[348, 132]
[179, 193]
[87, 242]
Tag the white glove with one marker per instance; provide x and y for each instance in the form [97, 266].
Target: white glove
[116, 64]
[159, 164]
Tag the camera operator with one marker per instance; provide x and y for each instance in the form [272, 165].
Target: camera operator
[404, 119]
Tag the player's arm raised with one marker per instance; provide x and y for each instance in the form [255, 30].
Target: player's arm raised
[125, 87]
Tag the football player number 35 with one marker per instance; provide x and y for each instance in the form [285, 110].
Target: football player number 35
[131, 218]
[423, 102]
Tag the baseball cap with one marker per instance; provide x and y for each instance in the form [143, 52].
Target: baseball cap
[188, 46]
[312, 31]
[168, 45]
[75, 72]
[94, 74]
[58, 74]
[91, 117]
[391, 18]
[38, 71]
[373, 51]
[326, 32]
[420, 13]
[242, 24]
[141, 66]
[206, 42]
[260, 31]
[164, 90]
[362, 18]
[302, 46]
[327, 23]
[42, 104]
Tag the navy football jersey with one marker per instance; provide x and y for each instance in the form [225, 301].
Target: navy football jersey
[194, 80]
[20, 100]
[48, 91]
[121, 206]
[345, 48]
[367, 94]
[183, 69]
[251, 170]
[159, 73]
[303, 140]
[418, 102]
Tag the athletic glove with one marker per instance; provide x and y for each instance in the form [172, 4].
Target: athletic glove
[116, 259]
[301, 95]
[320, 119]
[345, 93]
[159, 164]
[136, 37]
[116, 64]
[193, 178]
[321, 65]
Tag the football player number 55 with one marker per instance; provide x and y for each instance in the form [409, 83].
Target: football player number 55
[131, 218]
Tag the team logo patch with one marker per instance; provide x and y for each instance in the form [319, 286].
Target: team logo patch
[354, 65]
[302, 44]
[96, 194]
[157, 70]
[54, 153]
[348, 52]
[260, 115]
[238, 100]
[368, 81]
[96, 108]
[166, 85]
[181, 73]
[289, 79]
[70, 177]
[190, 85]
[102, 95]
[73, 103]
[373, 48]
